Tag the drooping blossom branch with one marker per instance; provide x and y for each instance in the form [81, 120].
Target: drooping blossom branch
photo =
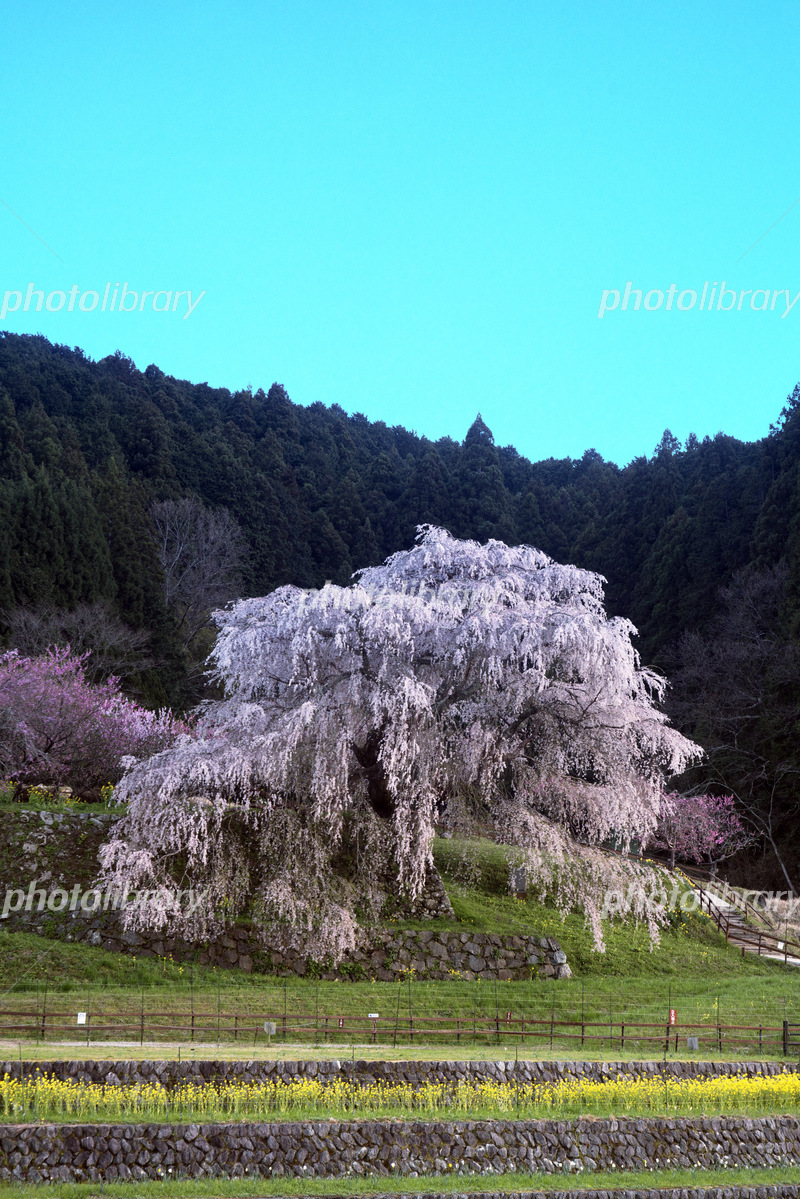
[355, 717]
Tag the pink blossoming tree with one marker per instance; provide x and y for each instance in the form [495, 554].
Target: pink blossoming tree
[357, 717]
[699, 828]
[58, 728]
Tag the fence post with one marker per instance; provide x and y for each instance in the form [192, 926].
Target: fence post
[786, 1038]
[516, 1075]
[397, 1010]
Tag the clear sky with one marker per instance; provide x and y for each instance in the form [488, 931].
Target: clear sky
[412, 209]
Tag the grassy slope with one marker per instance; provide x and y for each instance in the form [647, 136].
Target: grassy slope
[692, 969]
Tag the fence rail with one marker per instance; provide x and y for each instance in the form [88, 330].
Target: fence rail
[760, 942]
[53, 1024]
[791, 1038]
[751, 940]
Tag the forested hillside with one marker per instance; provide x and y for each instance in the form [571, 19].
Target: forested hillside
[85, 447]
[88, 448]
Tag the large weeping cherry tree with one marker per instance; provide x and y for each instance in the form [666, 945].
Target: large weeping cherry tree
[455, 677]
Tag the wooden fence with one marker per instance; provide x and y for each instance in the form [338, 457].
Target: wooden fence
[56, 1023]
[791, 1038]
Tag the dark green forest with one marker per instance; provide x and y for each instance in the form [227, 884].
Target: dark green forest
[699, 543]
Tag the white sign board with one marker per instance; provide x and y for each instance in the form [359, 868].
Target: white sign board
[269, 1028]
[81, 1017]
[374, 1015]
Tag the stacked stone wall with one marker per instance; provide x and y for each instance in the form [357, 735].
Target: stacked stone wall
[415, 1073]
[321, 1149]
[40, 850]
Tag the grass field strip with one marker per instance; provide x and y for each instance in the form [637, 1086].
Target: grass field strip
[779, 1182]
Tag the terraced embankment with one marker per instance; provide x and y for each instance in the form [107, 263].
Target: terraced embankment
[321, 1149]
[425, 1145]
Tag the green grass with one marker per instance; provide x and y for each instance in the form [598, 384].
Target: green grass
[28, 961]
[41, 800]
[690, 942]
[293, 1051]
[692, 970]
[62, 806]
[118, 985]
[252, 1188]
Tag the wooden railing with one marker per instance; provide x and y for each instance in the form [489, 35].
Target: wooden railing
[702, 879]
[750, 940]
[58, 1024]
[755, 941]
[791, 1038]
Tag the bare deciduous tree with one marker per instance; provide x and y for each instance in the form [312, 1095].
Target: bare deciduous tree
[116, 648]
[201, 551]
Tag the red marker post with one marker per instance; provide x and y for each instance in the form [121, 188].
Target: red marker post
[671, 1023]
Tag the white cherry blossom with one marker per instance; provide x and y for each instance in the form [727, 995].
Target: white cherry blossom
[363, 716]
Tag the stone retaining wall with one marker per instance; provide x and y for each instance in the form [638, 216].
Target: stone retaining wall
[389, 956]
[169, 1073]
[36, 857]
[52, 1152]
[386, 956]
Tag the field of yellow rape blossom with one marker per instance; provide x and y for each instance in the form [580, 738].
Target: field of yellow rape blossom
[47, 1098]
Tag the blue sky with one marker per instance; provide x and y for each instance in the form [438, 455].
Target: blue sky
[413, 209]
